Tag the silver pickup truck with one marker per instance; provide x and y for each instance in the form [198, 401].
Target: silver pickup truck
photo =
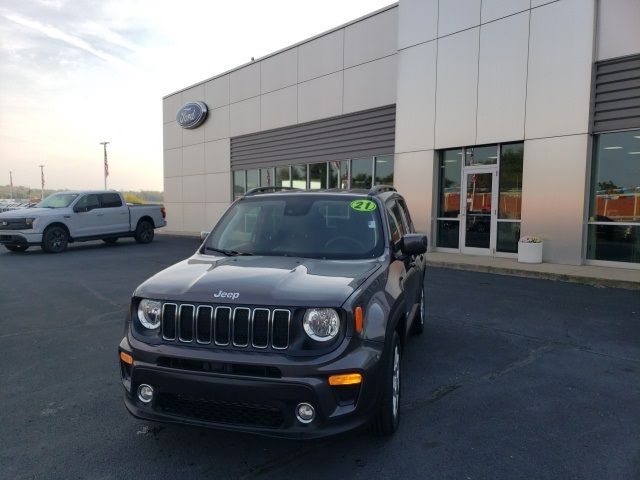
[67, 217]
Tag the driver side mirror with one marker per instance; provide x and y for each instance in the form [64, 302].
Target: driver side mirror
[413, 244]
[203, 235]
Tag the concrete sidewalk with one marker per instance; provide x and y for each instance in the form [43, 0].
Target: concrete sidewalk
[587, 274]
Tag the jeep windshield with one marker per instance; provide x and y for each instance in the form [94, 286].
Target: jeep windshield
[58, 200]
[301, 225]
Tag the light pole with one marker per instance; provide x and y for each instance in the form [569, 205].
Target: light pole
[41, 182]
[106, 164]
[11, 184]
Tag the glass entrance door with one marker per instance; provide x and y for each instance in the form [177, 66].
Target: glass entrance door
[478, 232]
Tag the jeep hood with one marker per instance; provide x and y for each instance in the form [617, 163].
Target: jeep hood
[259, 280]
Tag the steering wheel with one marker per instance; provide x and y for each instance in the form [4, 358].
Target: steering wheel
[358, 243]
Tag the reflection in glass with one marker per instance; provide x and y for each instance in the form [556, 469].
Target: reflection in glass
[317, 176]
[449, 184]
[299, 176]
[481, 155]
[615, 179]
[384, 170]
[334, 174]
[508, 236]
[478, 218]
[282, 177]
[615, 243]
[344, 175]
[267, 177]
[510, 190]
[448, 233]
[238, 183]
[361, 170]
[253, 179]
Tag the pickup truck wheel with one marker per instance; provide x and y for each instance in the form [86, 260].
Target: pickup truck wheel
[418, 322]
[110, 241]
[388, 416]
[144, 232]
[16, 248]
[55, 239]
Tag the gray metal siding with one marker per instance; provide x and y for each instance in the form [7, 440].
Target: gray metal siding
[616, 97]
[360, 134]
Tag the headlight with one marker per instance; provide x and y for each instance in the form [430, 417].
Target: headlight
[149, 313]
[321, 324]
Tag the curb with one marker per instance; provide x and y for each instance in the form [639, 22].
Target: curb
[560, 277]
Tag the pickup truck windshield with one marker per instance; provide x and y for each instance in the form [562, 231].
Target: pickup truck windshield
[58, 200]
[310, 226]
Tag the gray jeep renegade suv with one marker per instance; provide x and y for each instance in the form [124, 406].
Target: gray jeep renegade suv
[289, 320]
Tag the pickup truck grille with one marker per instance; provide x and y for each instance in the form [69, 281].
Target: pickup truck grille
[239, 327]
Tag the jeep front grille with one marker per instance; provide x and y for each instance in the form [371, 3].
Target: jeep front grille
[238, 327]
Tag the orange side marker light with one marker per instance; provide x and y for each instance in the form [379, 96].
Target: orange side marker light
[345, 379]
[359, 316]
[126, 358]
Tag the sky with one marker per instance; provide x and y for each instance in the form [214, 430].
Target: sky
[76, 73]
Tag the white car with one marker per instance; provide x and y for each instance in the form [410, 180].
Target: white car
[67, 217]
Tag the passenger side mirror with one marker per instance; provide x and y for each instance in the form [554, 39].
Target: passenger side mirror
[413, 244]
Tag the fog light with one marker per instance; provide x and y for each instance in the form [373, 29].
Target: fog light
[145, 393]
[305, 413]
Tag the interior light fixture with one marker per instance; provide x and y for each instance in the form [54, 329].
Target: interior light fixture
[634, 153]
[613, 148]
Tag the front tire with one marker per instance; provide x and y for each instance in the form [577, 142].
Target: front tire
[388, 416]
[55, 240]
[144, 232]
[17, 248]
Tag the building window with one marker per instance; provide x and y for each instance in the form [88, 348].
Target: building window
[337, 174]
[614, 204]
[362, 173]
[283, 176]
[474, 216]
[299, 176]
[450, 184]
[253, 179]
[267, 177]
[509, 197]
[317, 176]
[384, 170]
[239, 187]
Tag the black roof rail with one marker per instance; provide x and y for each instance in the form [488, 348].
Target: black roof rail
[257, 190]
[378, 189]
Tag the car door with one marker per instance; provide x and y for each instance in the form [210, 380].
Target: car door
[86, 219]
[411, 281]
[115, 214]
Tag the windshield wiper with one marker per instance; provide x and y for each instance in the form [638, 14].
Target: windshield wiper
[228, 253]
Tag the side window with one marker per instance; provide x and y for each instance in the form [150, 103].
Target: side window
[407, 217]
[88, 202]
[110, 200]
[395, 224]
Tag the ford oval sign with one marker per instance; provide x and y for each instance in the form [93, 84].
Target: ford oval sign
[192, 114]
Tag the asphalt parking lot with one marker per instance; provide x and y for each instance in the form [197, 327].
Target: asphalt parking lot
[514, 378]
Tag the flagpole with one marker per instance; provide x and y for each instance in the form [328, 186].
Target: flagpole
[106, 164]
[41, 182]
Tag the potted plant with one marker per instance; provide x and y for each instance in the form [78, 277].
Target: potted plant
[530, 249]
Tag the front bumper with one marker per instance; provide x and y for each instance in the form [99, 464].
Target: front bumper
[19, 237]
[248, 402]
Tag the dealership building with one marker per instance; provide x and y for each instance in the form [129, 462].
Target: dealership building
[495, 119]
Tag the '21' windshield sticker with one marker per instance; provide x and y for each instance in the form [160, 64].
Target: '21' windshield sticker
[363, 205]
